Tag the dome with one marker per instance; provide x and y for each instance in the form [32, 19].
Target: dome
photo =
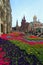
[34, 17]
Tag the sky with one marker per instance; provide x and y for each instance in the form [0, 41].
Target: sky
[27, 8]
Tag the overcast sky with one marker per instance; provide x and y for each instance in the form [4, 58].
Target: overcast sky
[29, 8]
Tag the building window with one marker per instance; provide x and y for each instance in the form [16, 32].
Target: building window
[38, 30]
[1, 27]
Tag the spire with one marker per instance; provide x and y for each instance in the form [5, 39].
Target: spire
[24, 17]
[16, 23]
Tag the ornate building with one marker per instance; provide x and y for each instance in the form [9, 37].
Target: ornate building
[33, 27]
[24, 25]
[5, 16]
[36, 25]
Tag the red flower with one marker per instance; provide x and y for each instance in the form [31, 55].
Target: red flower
[8, 59]
[32, 36]
[3, 60]
[6, 63]
[0, 49]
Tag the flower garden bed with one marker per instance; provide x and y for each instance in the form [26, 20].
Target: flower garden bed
[21, 50]
[34, 39]
[18, 53]
[30, 49]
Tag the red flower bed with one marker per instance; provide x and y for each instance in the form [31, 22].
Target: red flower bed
[12, 35]
[32, 36]
[3, 61]
[3, 36]
[19, 36]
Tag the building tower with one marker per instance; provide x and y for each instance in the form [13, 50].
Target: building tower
[5, 16]
[34, 19]
[17, 25]
[23, 24]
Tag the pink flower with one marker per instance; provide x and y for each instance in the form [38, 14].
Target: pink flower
[8, 59]
[0, 49]
[6, 63]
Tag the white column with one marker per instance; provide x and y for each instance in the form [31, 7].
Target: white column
[42, 29]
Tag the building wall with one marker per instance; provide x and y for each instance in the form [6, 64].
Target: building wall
[5, 16]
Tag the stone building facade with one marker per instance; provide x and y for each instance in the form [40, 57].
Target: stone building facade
[34, 26]
[5, 17]
[37, 26]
